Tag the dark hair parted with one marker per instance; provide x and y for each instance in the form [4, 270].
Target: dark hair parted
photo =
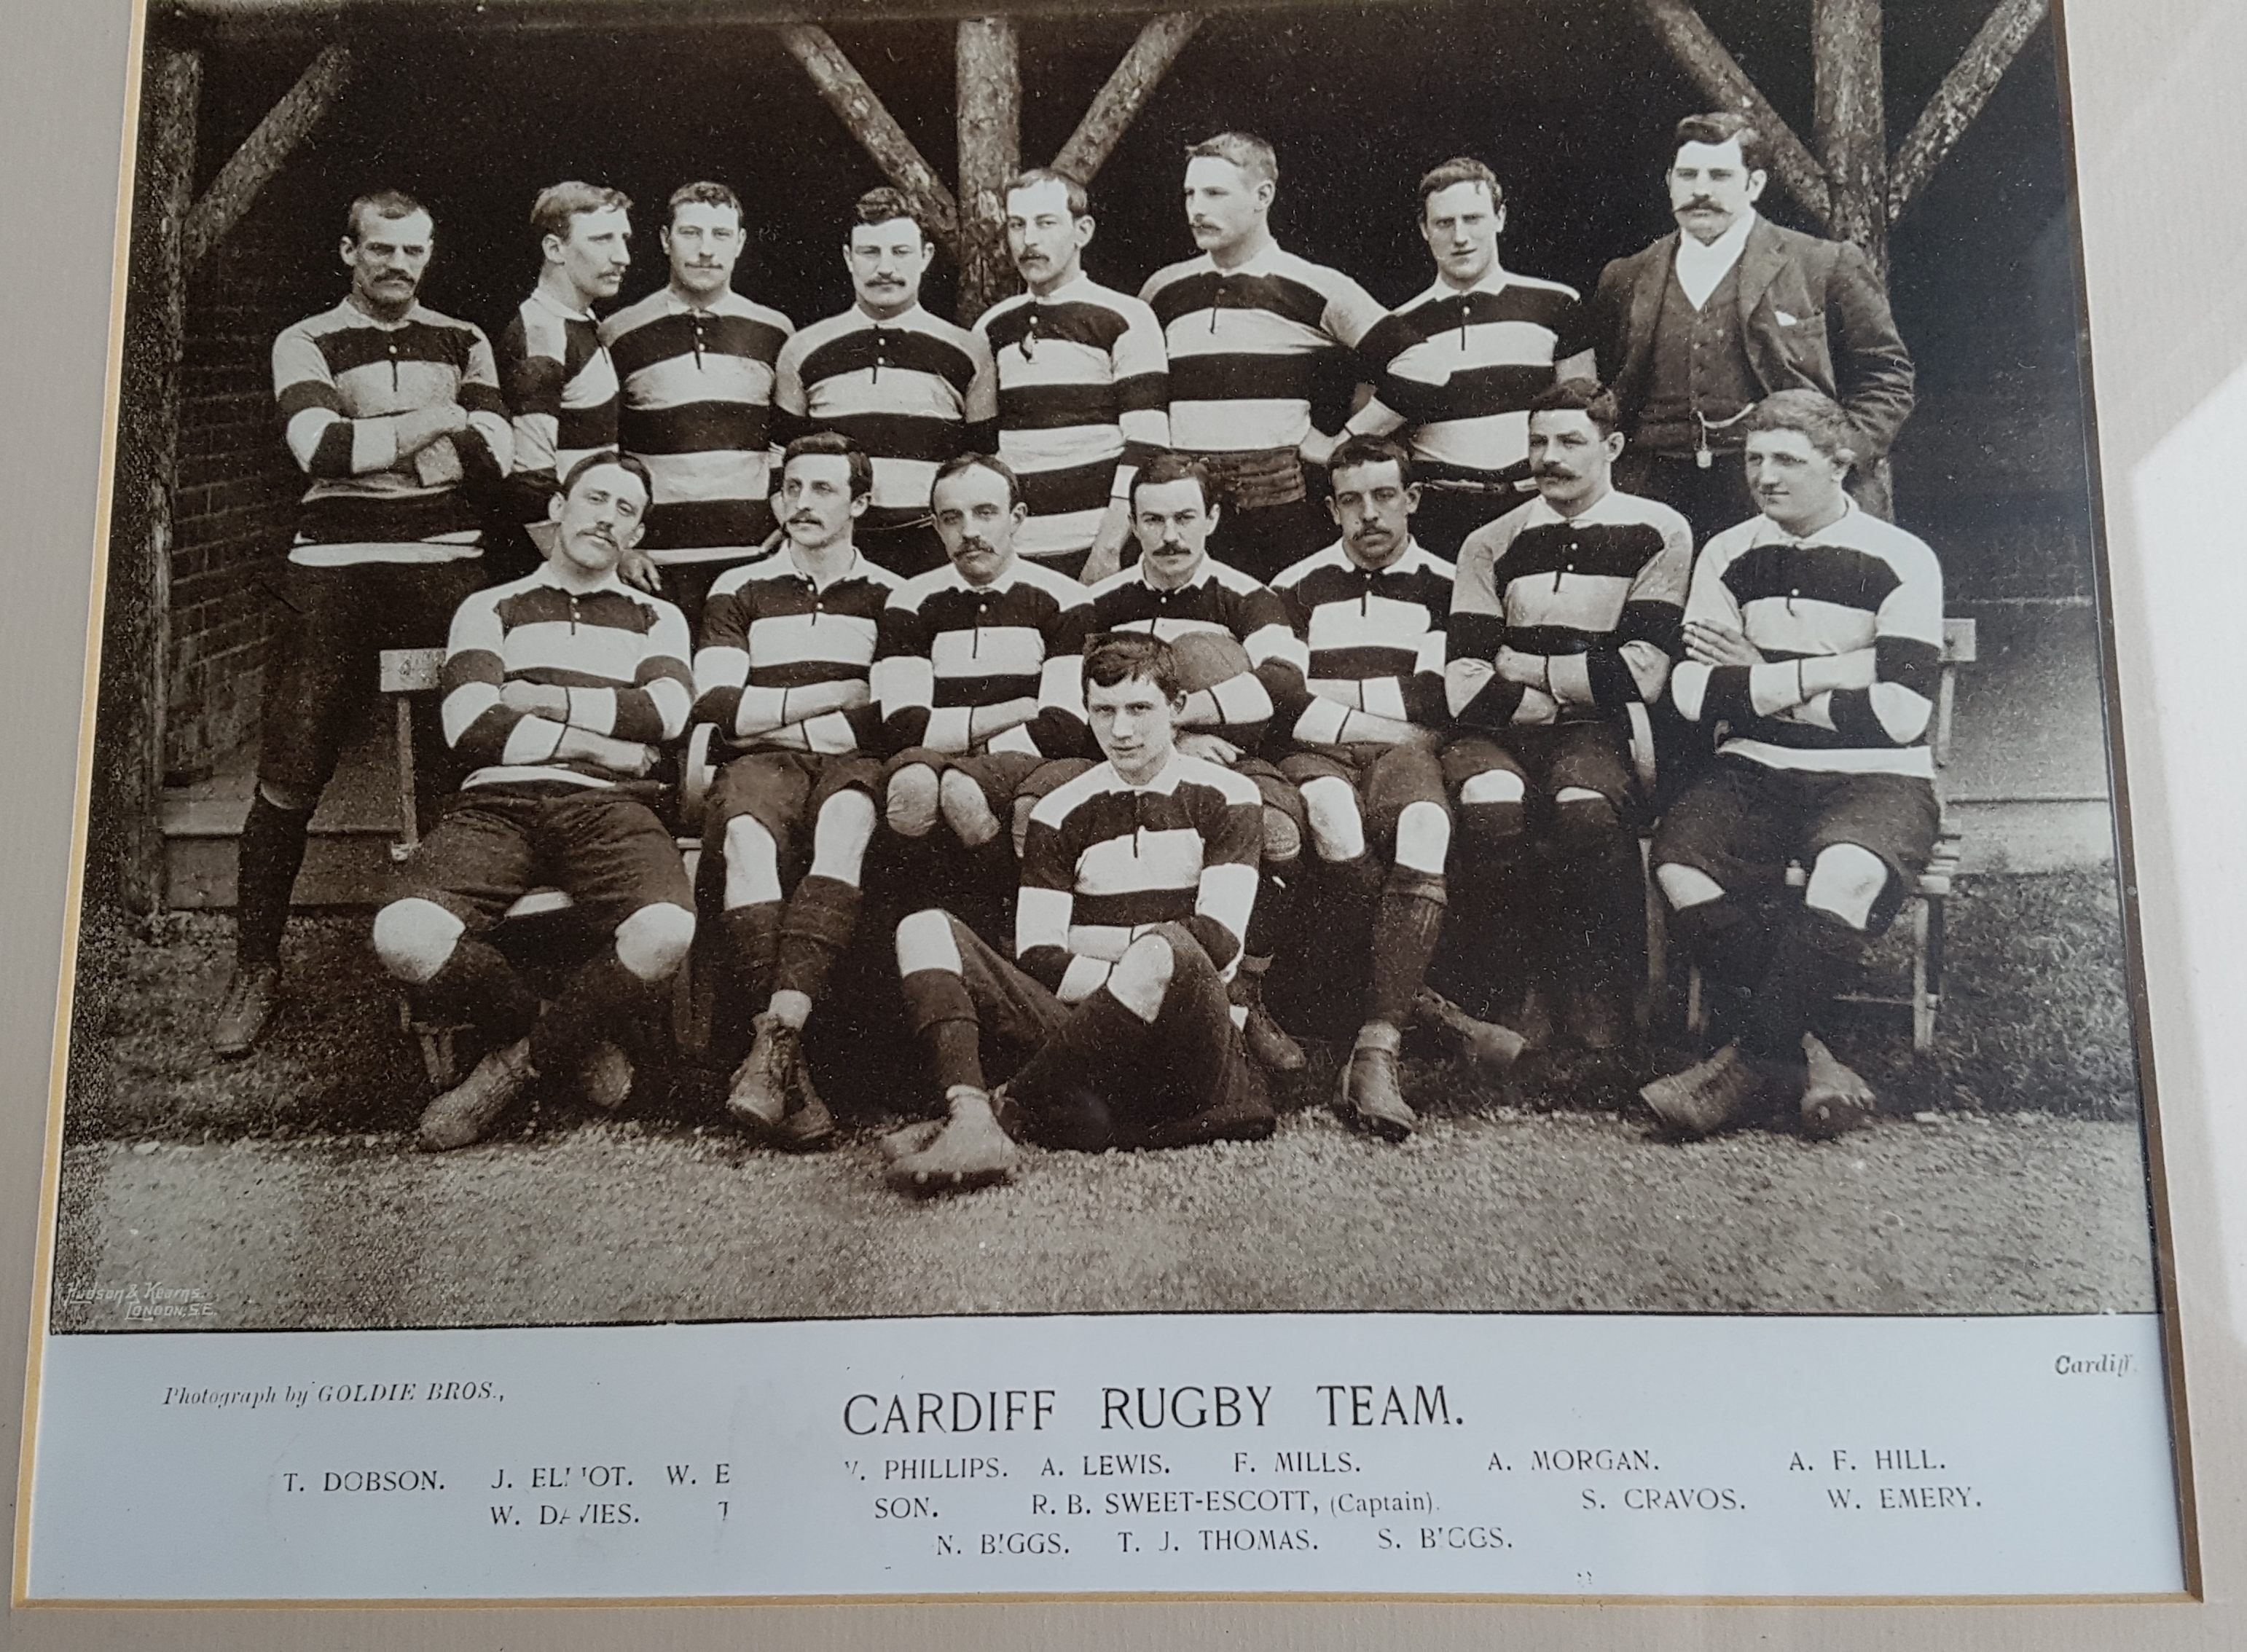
[1721, 128]
[559, 202]
[1815, 413]
[704, 193]
[1586, 396]
[607, 456]
[886, 205]
[1118, 656]
[381, 203]
[1253, 154]
[1459, 169]
[998, 467]
[1360, 451]
[833, 444]
[1080, 200]
[1175, 466]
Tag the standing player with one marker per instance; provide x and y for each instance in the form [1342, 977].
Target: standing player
[1372, 608]
[976, 677]
[912, 390]
[389, 408]
[1083, 383]
[1814, 634]
[561, 686]
[1488, 338]
[560, 384]
[695, 361]
[1178, 592]
[787, 647]
[1247, 326]
[1564, 618]
[1137, 882]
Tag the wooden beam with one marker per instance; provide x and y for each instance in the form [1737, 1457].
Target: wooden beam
[847, 94]
[1960, 97]
[990, 122]
[1851, 131]
[1125, 93]
[126, 858]
[250, 168]
[1721, 78]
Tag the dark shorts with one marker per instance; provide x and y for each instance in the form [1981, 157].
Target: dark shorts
[1589, 756]
[1387, 778]
[330, 626]
[493, 844]
[1742, 822]
[1001, 776]
[783, 792]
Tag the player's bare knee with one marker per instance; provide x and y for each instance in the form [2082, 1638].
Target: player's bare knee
[1583, 817]
[841, 835]
[910, 805]
[653, 942]
[1686, 886]
[1143, 975]
[415, 939]
[1424, 838]
[288, 799]
[1283, 839]
[1337, 829]
[966, 809]
[1845, 881]
[751, 863]
[1493, 807]
[926, 941]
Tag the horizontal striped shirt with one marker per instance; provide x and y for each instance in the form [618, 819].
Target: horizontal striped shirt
[1104, 860]
[948, 647]
[1861, 584]
[914, 391]
[561, 388]
[1599, 596]
[1375, 636]
[1246, 346]
[620, 654]
[697, 411]
[1220, 601]
[769, 631]
[1084, 397]
[343, 379]
[1484, 355]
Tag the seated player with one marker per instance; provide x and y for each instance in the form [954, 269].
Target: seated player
[782, 667]
[977, 677]
[1565, 615]
[1179, 592]
[1814, 641]
[561, 686]
[1372, 608]
[1137, 881]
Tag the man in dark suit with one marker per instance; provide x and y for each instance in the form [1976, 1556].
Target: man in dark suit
[1691, 333]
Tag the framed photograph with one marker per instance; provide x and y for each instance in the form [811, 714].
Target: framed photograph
[1314, 801]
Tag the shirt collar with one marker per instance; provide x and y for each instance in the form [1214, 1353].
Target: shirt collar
[852, 569]
[539, 297]
[1166, 778]
[1769, 532]
[1541, 512]
[357, 316]
[673, 305]
[1495, 279]
[1203, 575]
[903, 318]
[1065, 291]
[546, 576]
[1723, 252]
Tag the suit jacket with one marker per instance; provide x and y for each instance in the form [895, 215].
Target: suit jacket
[1813, 316]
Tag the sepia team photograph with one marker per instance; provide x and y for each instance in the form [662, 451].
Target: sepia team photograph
[1407, 658]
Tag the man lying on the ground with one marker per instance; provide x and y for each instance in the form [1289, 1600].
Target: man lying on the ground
[978, 680]
[1814, 634]
[1138, 877]
[562, 685]
[782, 671]
[1372, 608]
[1565, 616]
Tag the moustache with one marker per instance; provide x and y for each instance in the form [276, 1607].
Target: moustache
[1559, 473]
[803, 522]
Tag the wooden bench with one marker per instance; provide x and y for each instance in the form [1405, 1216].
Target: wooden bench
[1927, 901]
[407, 673]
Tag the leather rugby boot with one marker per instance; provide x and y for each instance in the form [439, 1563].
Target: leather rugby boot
[970, 1151]
[253, 992]
[1267, 1041]
[1835, 1099]
[470, 1110]
[1489, 1046]
[606, 1076]
[1709, 1096]
[808, 1125]
[759, 1095]
[1371, 1097]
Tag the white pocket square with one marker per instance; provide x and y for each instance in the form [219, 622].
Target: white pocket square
[1785, 320]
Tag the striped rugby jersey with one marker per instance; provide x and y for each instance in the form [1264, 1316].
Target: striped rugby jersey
[341, 379]
[1859, 584]
[1245, 346]
[1484, 354]
[1104, 860]
[1599, 595]
[1084, 397]
[561, 387]
[1228, 603]
[697, 411]
[620, 653]
[947, 647]
[1376, 640]
[767, 629]
[912, 390]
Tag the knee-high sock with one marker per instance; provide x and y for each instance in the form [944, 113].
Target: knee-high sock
[478, 984]
[1099, 1034]
[943, 1018]
[1813, 955]
[820, 918]
[1731, 938]
[1600, 901]
[1406, 927]
[601, 995]
[1271, 922]
[753, 935]
[271, 854]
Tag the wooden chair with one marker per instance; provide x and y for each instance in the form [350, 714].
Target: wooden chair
[1927, 900]
[407, 673]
